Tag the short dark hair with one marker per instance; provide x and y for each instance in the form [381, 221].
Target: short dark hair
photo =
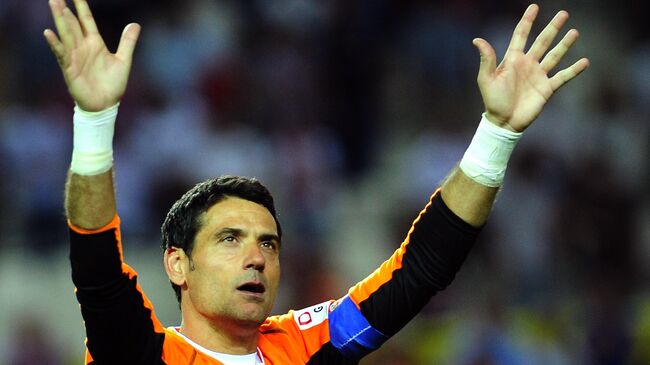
[183, 219]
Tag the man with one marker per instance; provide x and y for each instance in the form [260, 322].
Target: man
[221, 240]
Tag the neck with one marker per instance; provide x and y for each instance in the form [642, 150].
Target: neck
[225, 335]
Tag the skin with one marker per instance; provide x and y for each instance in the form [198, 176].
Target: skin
[238, 243]
[514, 93]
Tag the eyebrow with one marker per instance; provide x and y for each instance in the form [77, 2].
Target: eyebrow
[238, 232]
[227, 230]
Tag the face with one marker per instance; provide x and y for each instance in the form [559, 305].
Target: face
[234, 270]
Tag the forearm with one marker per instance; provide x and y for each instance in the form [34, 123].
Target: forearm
[90, 200]
[469, 200]
[89, 193]
[471, 188]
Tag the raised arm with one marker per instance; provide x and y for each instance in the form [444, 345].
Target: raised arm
[444, 232]
[514, 94]
[119, 320]
[96, 80]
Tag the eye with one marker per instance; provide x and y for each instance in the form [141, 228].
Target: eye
[270, 245]
[229, 239]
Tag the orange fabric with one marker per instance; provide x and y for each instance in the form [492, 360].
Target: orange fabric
[113, 224]
[384, 273]
[177, 351]
[281, 343]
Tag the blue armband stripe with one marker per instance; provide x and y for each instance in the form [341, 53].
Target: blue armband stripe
[351, 333]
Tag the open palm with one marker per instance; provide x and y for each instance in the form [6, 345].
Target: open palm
[515, 91]
[96, 78]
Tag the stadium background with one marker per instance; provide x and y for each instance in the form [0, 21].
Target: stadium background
[351, 112]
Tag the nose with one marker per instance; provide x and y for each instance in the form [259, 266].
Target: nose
[254, 257]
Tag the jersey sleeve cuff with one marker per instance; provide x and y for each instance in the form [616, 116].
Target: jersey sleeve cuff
[114, 223]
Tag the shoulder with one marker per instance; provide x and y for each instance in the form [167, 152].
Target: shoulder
[302, 319]
[177, 350]
[297, 334]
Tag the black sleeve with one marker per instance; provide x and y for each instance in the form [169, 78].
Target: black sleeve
[433, 252]
[119, 327]
[329, 355]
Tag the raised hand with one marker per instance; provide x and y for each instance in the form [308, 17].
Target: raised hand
[96, 78]
[515, 91]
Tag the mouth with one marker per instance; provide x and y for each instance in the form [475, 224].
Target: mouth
[252, 287]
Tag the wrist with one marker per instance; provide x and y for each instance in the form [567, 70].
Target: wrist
[486, 159]
[92, 151]
[499, 122]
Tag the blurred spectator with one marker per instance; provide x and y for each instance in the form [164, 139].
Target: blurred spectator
[32, 345]
[36, 141]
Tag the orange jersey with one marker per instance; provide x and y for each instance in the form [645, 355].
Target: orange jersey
[122, 327]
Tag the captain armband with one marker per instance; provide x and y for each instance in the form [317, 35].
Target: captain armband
[487, 156]
[92, 152]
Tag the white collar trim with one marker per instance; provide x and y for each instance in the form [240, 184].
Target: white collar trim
[255, 358]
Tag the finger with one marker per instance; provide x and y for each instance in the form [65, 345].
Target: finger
[546, 37]
[568, 73]
[488, 59]
[55, 44]
[73, 25]
[57, 7]
[85, 17]
[554, 57]
[520, 34]
[127, 42]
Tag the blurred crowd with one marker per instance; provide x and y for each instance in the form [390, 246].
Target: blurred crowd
[351, 112]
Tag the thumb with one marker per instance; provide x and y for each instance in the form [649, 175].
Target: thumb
[488, 59]
[127, 42]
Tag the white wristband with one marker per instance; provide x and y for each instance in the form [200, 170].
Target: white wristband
[487, 156]
[92, 152]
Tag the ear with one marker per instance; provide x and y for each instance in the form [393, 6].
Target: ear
[176, 265]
